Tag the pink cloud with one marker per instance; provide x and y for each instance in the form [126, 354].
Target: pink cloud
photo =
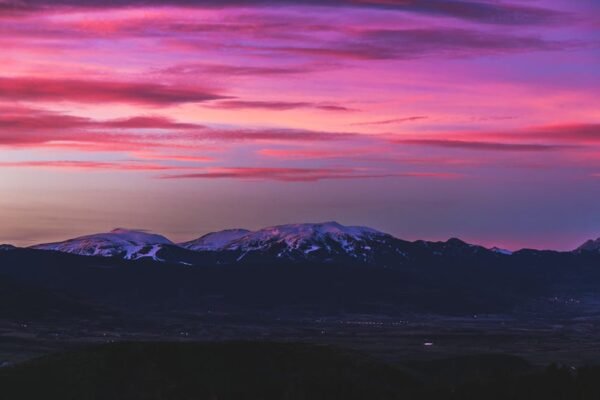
[282, 174]
[274, 134]
[235, 70]
[473, 10]
[88, 165]
[96, 91]
[570, 133]
[303, 154]
[377, 153]
[391, 121]
[277, 105]
[408, 44]
[540, 138]
[148, 122]
[477, 145]
[173, 157]
[304, 174]
[25, 119]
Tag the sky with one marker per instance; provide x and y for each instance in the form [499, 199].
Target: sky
[426, 119]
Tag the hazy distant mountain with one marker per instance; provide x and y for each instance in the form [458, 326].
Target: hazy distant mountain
[452, 246]
[6, 247]
[590, 246]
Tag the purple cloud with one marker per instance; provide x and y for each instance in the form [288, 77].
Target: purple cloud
[497, 13]
[485, 146]
[277, 105]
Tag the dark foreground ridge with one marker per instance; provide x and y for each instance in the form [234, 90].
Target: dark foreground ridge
[453, 283]
[274, 371]
[178, 371]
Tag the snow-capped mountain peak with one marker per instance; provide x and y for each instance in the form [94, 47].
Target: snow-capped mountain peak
[138, 236]
[296, 241]
[295, 233]
[305, 240]
[125, 243]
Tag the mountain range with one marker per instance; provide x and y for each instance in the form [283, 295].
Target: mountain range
[325, 266]
[316, 242]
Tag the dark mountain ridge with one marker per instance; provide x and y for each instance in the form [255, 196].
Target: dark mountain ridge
[328, 242]
[327, 268]
[443, 281]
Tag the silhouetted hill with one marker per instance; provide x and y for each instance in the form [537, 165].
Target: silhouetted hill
[265, 371]
[19, 301]
[443, 281]
[177, 371]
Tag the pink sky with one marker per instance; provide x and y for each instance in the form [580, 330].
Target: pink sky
[422, 118]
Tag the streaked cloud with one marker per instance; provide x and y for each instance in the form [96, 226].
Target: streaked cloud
[278, 105]
[485, 146]
[407, 44]
[100, 91]
[477, 11]
[391, 121]
[303, 174]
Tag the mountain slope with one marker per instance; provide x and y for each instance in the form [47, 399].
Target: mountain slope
[21, 301]
[590, 246]
[453, 283]
[312, 241]
[328, 242]
[215, 240]
[122, 243]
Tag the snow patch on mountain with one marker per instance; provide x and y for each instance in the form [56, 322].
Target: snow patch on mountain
[501, 251]
[215, 240]
[296, 234]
